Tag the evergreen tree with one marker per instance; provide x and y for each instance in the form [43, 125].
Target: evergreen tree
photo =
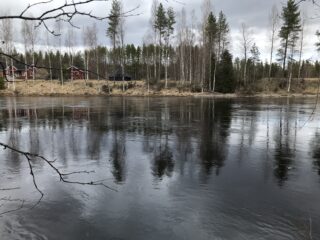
[113, 29]
[170, 21]
[226, 82]
[318, 43]
[255, 58]
[211, 34]
[289, 30]
[160, 25]
[222, 33]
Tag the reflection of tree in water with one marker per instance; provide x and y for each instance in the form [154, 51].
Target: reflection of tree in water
[118, 157]
[118, 151]
[215, 122]
[315, 147]
[284, 152]
[13, 158]
[163, 163]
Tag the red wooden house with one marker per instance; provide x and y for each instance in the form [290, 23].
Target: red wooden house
[76, 73]
[19, 73]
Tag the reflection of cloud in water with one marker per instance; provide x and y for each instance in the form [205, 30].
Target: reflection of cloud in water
[210, 157]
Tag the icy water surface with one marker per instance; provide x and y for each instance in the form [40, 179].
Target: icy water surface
[183, 168]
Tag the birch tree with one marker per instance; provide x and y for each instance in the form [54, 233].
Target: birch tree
[246, 44]
[59, 38]
[274, 24]
[49, 49]
[302, 33]
[24, 30]
[32, 35]
[170, 21]
[7, 40]
[152, 23]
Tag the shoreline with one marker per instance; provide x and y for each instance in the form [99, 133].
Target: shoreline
[42, 88]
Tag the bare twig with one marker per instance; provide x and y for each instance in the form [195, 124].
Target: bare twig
[315, 106]
[67, 11]
[62, 176]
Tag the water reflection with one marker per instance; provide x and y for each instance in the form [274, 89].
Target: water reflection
[285, 139]
[206, 156]
[215, 124]
[163, 159]
[68, 130]
[315, 146]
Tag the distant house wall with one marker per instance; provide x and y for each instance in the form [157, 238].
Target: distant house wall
[76, 73]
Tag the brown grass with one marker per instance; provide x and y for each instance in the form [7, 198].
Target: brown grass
[138, 88]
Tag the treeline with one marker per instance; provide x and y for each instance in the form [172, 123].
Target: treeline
[139, 64]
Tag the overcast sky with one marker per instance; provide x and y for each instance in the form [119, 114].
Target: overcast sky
[254, 13]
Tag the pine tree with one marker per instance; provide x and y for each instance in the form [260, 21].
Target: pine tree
[113, 29]
[222, 34]
[289, 30]
[318, 43]
[170, 21]
[160, 25]
[226, 82]
[255, 58]
[211, 34]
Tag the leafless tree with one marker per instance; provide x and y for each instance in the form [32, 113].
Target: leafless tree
[152, 23]
[70, 43]
[206, 8]
[182, 30]
[48, 43]
[32, 38]
[246, 44]
[191, 41]
[302, 33]
[274, 25]
[7, 36]
[59, 38]
[122, 54]
[24, 30]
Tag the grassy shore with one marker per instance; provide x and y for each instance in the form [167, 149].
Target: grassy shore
[136, 88]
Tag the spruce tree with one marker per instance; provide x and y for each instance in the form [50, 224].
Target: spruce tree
[160, 25]
[211, 34]
[226, 82]
[222, 33]
[289, 31]
[170, 21]
[113, 29]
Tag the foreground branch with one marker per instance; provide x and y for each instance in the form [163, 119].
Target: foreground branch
[62, 176]
[65, 12]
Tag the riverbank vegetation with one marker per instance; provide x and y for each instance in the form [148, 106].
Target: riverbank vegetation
[262, 88]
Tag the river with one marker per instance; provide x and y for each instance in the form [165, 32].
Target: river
[182, 168]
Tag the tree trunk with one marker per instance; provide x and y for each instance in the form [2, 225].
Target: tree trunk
[285, 58]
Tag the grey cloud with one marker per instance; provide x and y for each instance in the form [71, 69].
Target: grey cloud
[253, 12]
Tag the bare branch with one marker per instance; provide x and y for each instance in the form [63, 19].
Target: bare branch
[67, 11]
[62, 176]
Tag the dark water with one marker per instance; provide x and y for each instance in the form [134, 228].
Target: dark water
[183, 168]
